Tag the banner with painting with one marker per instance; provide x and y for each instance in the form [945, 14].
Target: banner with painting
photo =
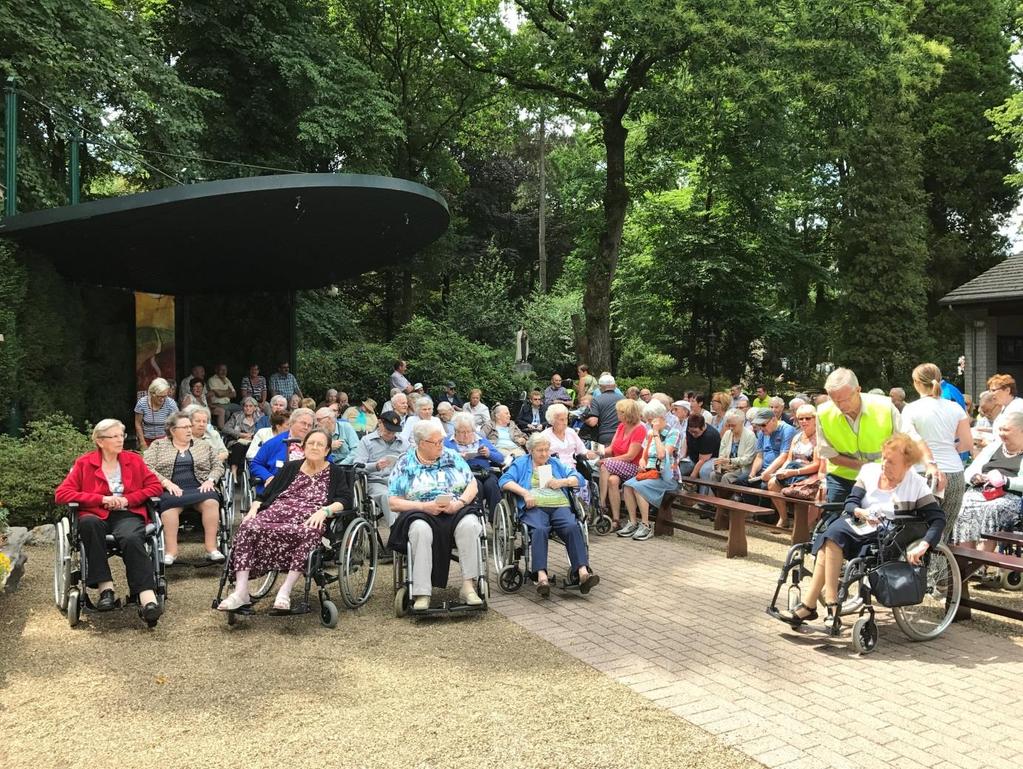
[154, 339]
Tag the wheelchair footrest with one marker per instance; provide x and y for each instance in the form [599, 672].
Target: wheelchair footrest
[449, 607]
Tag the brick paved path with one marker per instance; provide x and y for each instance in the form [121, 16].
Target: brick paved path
[686, 628]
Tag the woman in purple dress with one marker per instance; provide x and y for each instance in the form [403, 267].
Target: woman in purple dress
[286, 522]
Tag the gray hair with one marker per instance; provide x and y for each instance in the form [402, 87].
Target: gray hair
[105, 424]
[1014, 419]
[501, 406]
[423, 399]
[395, 391]
[172, 420]
[279, 399]
[776, 401]
[555, 409]
[537, 439]
[796, 402]
[734, 415]
[899, 390]
[192, 410]
[985, 396]
[331, 391]
[424, 429]
[463, 418]
[839, 378]
[159, 386]
[653, 410]
[301, 412]
[249, 399]
[445, 406]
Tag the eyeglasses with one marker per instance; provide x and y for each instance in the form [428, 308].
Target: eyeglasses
[108, 437]
[437, 442]
[805, 419]
[181, 427]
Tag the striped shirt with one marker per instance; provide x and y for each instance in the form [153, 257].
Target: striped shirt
[154, 423]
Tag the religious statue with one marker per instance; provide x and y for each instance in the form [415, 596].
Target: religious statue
[521, 346]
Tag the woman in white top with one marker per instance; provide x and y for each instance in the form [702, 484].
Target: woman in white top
[801, 463]
[1003, 386]
[565, 442]
[888, 487]
[423, 413]
[945, 428]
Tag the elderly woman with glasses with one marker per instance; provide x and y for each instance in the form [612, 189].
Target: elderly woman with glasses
[432, 489]
[111, 487]
[240, 429]
[544, 505]
[800, 464]
[506, 435]
[151, 412]
[189, 470]
[480, 454]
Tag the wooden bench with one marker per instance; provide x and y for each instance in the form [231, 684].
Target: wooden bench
[801, 512]
[729, 515]
[970, 561]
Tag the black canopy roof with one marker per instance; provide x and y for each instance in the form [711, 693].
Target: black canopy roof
[290, 231]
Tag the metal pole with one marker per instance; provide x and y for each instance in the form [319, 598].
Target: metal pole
[11, 148]
[76, 170]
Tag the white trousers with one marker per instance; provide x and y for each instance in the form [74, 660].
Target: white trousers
[467, 540]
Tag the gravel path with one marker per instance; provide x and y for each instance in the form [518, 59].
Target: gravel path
[376, 692]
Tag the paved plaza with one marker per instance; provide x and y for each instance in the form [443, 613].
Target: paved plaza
[686, 628]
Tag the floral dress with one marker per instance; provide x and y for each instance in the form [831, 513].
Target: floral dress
[276, 538]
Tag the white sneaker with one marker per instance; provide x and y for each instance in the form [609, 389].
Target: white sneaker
[168, 559]
[422, 603]
[216, 556]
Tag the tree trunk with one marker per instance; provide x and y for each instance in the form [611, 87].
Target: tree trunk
[597, 299]
[542, 215]
[582, 349]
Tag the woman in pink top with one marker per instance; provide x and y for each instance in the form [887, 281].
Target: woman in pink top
[620, 463]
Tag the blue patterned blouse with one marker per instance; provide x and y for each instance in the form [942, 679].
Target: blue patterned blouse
[413, 480]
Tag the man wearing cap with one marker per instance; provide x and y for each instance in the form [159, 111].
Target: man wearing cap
[680, 410]
[851, 428]
[417, 388]
[555, 393]
[450, 396]
[602, 413]
[398, 380]
[378, 452]
[774, 438]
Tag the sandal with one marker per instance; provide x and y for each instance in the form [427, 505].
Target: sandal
[591, 582]
[796, 621]
[233, 603]
[282, 604]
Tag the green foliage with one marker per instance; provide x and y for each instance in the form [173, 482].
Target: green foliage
[324, 320]
[480, 303]
[547, 319]
[35, 464]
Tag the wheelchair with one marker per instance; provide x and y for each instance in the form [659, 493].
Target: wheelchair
[923, 621]
[191, 520]
[511, 577]
[69, 564]
[596, 517]
[403, 579]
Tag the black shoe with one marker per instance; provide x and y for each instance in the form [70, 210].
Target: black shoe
[107, 601]
[795, 620]
[588, 585]
[543, 589]
[150, 613]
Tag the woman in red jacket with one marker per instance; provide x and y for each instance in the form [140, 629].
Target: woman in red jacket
[111, 487]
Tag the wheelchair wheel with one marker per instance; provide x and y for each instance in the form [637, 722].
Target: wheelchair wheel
[61, 564]
[1012, 580]
[401, 602]
[504, 534]
[357, 570]
[930, 618]
[602, 524]
[510, 579]
[246, 492]
[263, 586]
[864, 635]
[328, 614]
[74, 608]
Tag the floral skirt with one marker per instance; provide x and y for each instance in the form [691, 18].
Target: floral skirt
[979, 516]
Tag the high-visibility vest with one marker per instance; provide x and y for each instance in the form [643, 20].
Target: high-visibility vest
[875, 427]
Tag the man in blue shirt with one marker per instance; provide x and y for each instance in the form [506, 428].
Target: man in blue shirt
[773, 440]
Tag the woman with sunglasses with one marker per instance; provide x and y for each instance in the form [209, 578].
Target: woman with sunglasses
[801, 462]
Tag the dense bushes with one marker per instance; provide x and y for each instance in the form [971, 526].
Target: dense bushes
[35, 464]
[435, 354]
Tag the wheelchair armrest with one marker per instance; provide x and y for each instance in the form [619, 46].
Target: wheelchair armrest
[831, 507]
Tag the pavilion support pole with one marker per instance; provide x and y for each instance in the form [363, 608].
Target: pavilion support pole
[75, 193]
[292, 331]
[11, 148]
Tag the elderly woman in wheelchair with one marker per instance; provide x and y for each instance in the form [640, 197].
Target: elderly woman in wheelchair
[545, 489]
[890, 535]
[433, 490]
[110, 487]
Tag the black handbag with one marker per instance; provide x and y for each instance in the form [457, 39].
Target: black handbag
[898, 583]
